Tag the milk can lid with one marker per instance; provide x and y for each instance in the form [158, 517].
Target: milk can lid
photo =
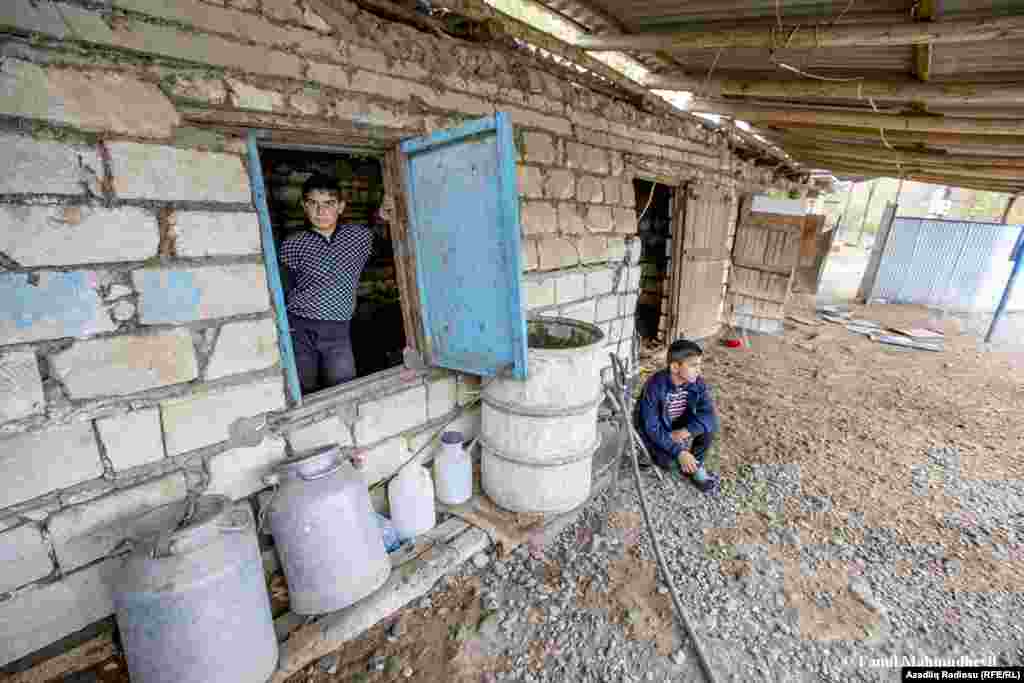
[202, 520]
[452, 438]
[313, 464]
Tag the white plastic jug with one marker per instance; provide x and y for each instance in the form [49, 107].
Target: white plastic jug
[453, 471]
[411, 496]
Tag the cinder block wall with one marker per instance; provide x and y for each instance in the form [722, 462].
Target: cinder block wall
[135, 320]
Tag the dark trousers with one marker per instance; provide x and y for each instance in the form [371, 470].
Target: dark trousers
[323, 352]
[698, 446]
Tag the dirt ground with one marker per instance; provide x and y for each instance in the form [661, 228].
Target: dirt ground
[854, 415]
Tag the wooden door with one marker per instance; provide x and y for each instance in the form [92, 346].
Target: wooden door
[765, 257]
[811, 244]
[703, 213]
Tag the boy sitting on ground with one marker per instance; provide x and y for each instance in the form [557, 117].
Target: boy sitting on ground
[676, 416]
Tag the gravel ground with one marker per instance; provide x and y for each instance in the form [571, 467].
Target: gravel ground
[751, 629]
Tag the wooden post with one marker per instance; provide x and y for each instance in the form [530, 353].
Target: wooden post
[1009, 208]
[867, 210]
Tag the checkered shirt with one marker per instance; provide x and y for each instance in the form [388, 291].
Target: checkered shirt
[323, 274]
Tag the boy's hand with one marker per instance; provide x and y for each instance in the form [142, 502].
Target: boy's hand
[680, 436]
[687, 462]
[387, 209]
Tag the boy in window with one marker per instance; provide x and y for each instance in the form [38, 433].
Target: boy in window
[676, 416]
[322, 266]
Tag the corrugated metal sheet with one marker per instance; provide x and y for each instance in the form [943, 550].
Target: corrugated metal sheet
[957, 265]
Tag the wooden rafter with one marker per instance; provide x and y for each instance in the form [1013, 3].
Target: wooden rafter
[1011, 91]
[881, 153]
[1000, 174]
[923, 51]
[820, 36]
[922, 123]
[1009, 144]
[868, 169]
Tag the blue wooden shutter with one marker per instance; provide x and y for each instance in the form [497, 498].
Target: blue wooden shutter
[463, 207]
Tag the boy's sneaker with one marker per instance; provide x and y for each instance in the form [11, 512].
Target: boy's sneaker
[710, 485]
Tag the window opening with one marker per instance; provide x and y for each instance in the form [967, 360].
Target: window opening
[376, 327]
[655, 234]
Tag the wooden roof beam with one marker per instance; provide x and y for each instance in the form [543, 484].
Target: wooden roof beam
[816, 36]
[1010, 91]
[999, 174]
[1009, 143]
[881, 153]
[870, 120]
[923, 51]
[913, 173]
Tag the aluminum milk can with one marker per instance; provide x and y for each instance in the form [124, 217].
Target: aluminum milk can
[453, 471]
[326, 534]
[192, 604]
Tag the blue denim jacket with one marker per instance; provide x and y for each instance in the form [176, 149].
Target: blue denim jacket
[653, 422]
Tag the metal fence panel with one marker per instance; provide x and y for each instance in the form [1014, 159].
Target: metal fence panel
[956, 265]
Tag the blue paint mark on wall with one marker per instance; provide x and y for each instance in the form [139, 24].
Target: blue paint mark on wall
[66, 304]
[169, 296]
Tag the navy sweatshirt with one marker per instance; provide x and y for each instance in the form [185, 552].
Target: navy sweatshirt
[652, 418]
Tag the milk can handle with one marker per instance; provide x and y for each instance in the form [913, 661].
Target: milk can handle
[320, 475]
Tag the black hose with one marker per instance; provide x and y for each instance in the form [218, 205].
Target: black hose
[677, 602]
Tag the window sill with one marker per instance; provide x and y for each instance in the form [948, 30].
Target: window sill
[377, 385]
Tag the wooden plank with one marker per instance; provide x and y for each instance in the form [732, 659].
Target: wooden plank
[740, 85]
[780, 270]
[818, 36]
[759, 296]
[900, 122]
[87, 655]
[405, 258]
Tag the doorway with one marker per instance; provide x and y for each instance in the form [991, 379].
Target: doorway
[654, 212]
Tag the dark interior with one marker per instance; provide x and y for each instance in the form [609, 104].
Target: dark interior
[655, 230]
[378, 333]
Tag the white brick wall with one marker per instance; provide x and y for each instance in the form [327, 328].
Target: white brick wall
[538, 292]
[35, 618]
[51, 306]
[21, 388]
[441, 395]
[46, 166]
[329, 431]
[244, 347]
[599, 282]
[204, 233]
[168, 173]
[39, 462]
[125, 365]
[582, 311]
[178, 295]
[238, 473]
[381, 418]
[24, 557]
[608, 308]
[384, 459]
[60, 236]
[570, 287]
[133, 439]
[196, 421]
[84, 533]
